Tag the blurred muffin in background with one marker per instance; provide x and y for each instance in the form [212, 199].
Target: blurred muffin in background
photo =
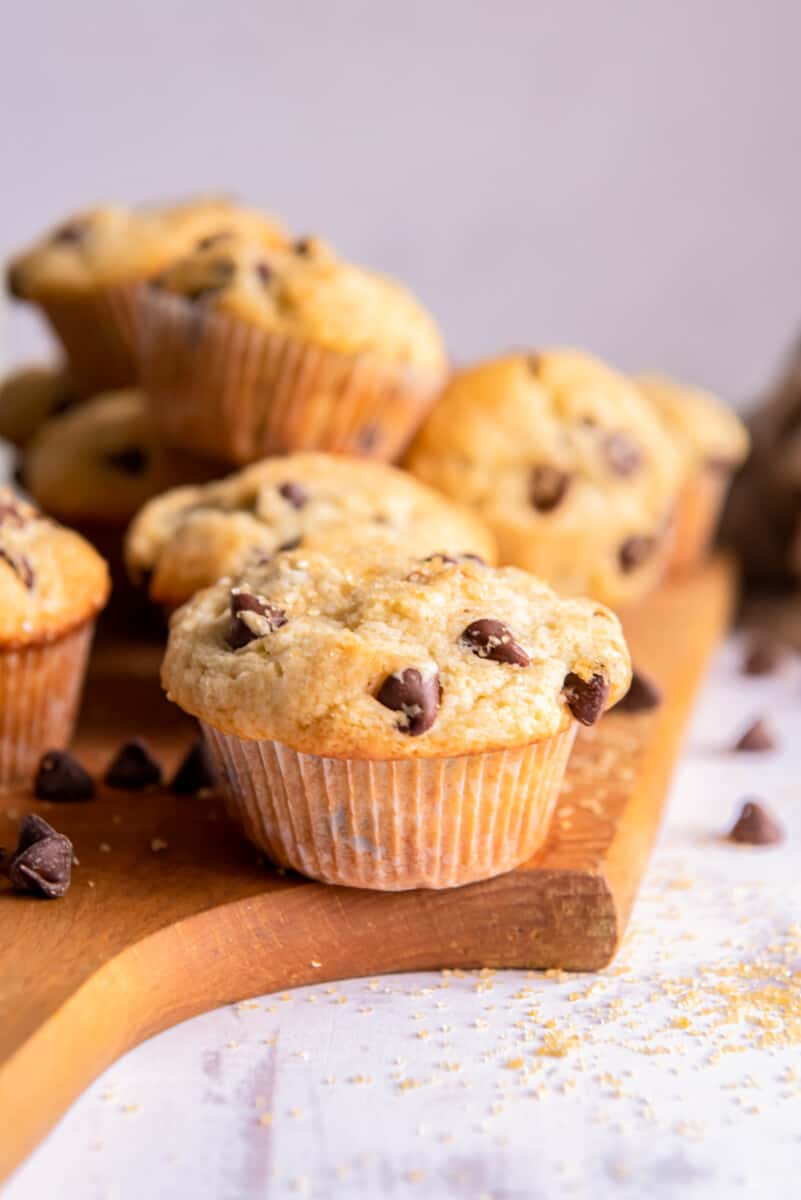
[29, 396]
[248, 351]
[80, 274]
[713, 442]
[190, 537]
[568, 465]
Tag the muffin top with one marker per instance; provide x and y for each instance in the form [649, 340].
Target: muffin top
[51, 580]
[708, 431]
[377, 655]
[103, 459]
[303, 289]
[29, 396]
[190, 537]
[114, 244]
[559, 454]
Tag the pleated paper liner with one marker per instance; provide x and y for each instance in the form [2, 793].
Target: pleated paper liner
[40, 686]
[96, 331]
[397, 824]
[230, 390]
[697, 517]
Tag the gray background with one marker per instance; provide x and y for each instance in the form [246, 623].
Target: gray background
[623, 176]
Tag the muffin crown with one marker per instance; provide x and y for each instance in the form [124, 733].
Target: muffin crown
[707, 431]
[51, 580]
[387, 656]
[189, 537]
[305, 290]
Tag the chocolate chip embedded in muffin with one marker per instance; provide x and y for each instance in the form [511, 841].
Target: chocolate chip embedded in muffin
[636, 551]
[133, 768]
[21, 566]
[491, 639]
[756, 826]
[415, 696]
[71, 233]
[42, 861]
[586, 698]
[547, 486]
[294, 493]
[622, 454]
[251, 618]
[61, 778]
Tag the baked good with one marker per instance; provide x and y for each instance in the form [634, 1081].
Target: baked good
[713, 442]
[52, 585]
[390, 721]
[567, 464]
[189, 537]
[29, 396]
[248, 351]
[80, 275]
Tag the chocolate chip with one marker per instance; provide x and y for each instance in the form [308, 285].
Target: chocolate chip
[252, 618]
[302, 246]
[42, 861]
[764, 656]
[14, 282]
[294, 493]
[413, 695]
[757, 737]
[642, 696]
[70, 234]
[635, 551]
[21, 565]
[195, 772]
[132, 460]
[264, 271]
[534, 362]
[62, 779]
[756, 826]
[621, 453]
[547, 487]
[211, 239]
[133, 768]
[292, 544]
[488, 638]
[586, 698]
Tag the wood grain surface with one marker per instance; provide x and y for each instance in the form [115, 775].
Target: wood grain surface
[147, 937]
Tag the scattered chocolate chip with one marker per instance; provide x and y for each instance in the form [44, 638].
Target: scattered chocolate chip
[642, 696]
[294, 493]
[70, 234]
[756, 826]
[132, 460]
[133, 768]
[302, 246]
[757, 737]
[195, 772]
[488, 638]
[14, 282]
[21, 565]
[534, 362]
[413, 695]
[292, 544]
[635, 551]
[621, 453]
[586, 698]
[212, 239]
[62, 779]
[42, 861]
[252, 618]
[547, 487]
[764, 655]
[264, 271]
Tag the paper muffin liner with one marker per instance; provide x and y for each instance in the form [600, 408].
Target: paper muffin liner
[230, 390]
[40, 686]
[392, 824]
[96, 331]
[697, 517]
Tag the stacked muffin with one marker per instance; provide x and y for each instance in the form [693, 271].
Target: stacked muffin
[388, 707]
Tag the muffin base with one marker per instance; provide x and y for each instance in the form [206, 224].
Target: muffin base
[697, 517]
[96, 331]
[40, 686]
[234, 391]
[392, 825]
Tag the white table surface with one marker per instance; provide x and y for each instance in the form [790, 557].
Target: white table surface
[671, 1083]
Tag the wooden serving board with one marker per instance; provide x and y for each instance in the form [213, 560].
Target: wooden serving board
[148, 937]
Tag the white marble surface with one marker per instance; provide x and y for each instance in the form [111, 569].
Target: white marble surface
[673, 1082]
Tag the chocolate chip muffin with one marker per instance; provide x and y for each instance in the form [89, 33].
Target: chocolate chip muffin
[80, 275]
[713, 443]
[248, 351]
[29, 396]
[52, 585]
[189, 537]
[567, 464]
[391, 721]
